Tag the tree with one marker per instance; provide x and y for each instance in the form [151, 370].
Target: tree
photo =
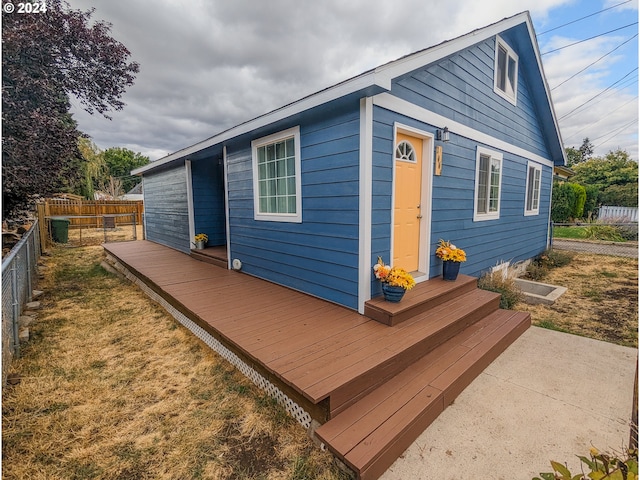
[95, 169]
[120, 162]
[47, 57]
[575, 156]
[615, 176]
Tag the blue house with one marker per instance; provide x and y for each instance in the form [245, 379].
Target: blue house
[457, 141]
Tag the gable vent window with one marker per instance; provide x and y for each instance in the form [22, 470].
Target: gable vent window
[405, 152]
[506, 71]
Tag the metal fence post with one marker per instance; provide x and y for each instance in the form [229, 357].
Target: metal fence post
[16, 310]
[135, 233]
[29, 280]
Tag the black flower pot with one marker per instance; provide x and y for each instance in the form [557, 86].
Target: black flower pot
[450, 270]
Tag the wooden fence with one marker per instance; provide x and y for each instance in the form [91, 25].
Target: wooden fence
[93, 213]
[62, 207]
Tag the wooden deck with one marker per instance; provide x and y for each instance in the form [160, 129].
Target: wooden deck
[375, 387]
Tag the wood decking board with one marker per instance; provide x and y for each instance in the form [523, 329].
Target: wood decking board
[378, 386]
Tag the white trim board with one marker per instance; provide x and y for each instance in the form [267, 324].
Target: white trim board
[365, 194]
[192, 218]
[398, 105]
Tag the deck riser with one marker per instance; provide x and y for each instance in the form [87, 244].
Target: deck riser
[366, 383]
[380, 314]
[399, 444]
[208, 259]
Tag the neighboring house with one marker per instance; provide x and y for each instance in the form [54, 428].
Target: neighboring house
[309, 195]
[562, 173]
[134, 194]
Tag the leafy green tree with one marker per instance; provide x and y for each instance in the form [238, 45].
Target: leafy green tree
[591, 202]
[120, 161]
[581, 154]
[94, 167]
[47, 57]
[615, 176]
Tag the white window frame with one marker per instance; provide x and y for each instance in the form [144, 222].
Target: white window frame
[271, 139]
[494, 158]
[536, 185]
[511, 55]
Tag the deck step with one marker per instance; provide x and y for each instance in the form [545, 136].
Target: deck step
[412, 340]
[213, 259]
[371, 434]
[421, 298]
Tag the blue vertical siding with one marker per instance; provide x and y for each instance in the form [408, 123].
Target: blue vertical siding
[166, 210]
[208, 199]
[460, 87]
[320, 255]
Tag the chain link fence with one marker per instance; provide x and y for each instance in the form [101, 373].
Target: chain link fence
[617, 239]
[19, 277]
[85, 230]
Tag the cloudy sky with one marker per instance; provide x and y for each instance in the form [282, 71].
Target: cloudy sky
[207, 65]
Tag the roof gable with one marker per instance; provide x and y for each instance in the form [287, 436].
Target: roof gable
[518, 29]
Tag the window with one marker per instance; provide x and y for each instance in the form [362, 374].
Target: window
[488, 179]
[405, 152]
[506, 71]
[534, 174]
[276, 177]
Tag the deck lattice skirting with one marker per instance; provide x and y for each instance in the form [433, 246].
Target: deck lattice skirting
[295, 410]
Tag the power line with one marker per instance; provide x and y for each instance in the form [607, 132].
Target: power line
[591, 64]
[582, 18]
[601, 118]
[590, 38]
[618, 132]
[597, 95]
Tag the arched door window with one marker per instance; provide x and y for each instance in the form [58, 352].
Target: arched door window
[405, 152]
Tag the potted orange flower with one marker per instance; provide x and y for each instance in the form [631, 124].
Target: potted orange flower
[451, 257]
[395, 280]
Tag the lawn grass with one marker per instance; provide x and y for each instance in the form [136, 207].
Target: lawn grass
[601, 301]
[569, 232]
[113, 388]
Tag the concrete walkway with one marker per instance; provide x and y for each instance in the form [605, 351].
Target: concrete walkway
[550, 396]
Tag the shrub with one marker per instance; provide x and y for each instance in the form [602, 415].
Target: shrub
[623, 466]
[603, 232]
[562, 201]
[502, 282]
[577, 208]
[540, 266]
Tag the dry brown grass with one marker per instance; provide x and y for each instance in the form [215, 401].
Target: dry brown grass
[601, 301]
[113, 388]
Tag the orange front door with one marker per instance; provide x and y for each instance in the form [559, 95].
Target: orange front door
[407, 209]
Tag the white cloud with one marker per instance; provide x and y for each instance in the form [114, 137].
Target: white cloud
[207, 66]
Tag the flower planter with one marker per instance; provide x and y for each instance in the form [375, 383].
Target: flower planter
[450, 270]
[200, 245]
[392, 293]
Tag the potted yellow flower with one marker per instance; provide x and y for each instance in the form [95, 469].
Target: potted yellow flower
[451, 257]
[395, 281]
[200, 240]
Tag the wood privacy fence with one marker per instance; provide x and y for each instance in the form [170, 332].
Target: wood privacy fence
[93, 213]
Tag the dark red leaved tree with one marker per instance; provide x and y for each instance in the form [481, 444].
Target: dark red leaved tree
[46, 57]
